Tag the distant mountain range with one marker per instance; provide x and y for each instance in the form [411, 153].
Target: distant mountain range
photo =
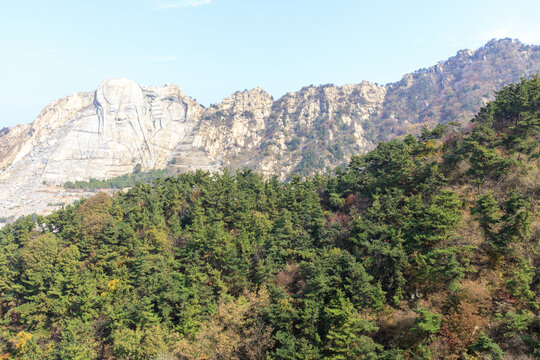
[123, 125]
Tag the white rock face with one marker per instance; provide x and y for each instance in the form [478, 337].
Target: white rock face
[84, 136]
[127, 126]
[21, 139]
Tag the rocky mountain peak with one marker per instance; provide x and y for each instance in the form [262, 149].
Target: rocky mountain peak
[496, 43]
[98, 135]
[246, 100]
[119, 91]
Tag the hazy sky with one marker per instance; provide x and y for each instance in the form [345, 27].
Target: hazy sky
[211, 48]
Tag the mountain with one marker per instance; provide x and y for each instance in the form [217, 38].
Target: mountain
[454, 90]
[426, 247]
[123, 126]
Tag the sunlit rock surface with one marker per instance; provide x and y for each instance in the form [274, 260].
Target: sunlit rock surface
[84, 136]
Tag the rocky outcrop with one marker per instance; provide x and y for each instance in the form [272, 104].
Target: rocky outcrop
[99, 135]
[108, 132]
[455, 89]
[102, 135]
[237, 124]
[250, 129]
[21, 139]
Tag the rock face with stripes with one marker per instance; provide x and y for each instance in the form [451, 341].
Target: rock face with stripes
[125, 124]
[96, 135]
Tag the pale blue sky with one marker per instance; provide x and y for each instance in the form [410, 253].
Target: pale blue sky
[211, 48]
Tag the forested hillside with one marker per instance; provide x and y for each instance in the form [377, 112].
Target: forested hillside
[77, 139]
[424, 248]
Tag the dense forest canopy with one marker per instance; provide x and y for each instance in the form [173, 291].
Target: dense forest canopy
[119, 182]
[425, 248]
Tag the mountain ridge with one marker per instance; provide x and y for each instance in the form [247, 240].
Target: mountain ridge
[424, 248]
[310, 130]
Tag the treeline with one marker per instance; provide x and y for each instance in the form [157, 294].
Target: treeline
[425, 248]
[119, 182]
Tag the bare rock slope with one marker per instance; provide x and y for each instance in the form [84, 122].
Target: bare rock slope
[99, 135]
